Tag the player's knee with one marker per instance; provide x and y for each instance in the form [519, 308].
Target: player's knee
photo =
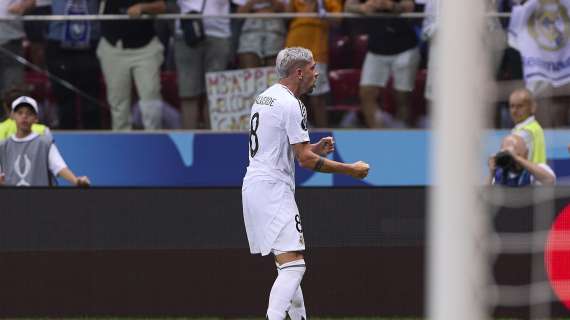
[296, 266]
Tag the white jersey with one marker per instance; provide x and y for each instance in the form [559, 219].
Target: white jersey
[278, 120]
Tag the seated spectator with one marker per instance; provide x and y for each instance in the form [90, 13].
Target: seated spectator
[8, 125]
[313, 34]
[130, 50]
[392, 52]
[511, 167]
[28, 159]
[70, 55]
[261, 39]
[211, 54]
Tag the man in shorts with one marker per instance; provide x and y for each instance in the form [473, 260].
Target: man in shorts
[392, 52]
[261, 39]
[278, 135]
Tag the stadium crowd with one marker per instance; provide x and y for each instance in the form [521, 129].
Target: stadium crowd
[374, 72]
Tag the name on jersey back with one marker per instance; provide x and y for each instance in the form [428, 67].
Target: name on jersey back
[263, 100]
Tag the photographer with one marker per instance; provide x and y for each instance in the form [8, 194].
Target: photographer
[510, 167]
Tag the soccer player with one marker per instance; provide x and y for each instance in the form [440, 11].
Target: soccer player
[278, 135]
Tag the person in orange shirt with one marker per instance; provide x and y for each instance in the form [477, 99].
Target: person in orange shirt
[313, 34]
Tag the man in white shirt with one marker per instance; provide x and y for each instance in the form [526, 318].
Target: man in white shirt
[28, 159]
[211, 54]
[278, 135]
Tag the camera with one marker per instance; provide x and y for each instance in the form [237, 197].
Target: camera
[505, 161]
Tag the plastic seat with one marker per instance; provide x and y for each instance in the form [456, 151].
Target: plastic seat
[339, 52]
[360, 48]
[344, 89]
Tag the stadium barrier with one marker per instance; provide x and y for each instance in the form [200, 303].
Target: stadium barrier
[183, 252]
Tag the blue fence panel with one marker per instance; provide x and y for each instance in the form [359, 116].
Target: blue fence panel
[397, 158]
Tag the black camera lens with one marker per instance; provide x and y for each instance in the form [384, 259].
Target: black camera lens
[504, 160]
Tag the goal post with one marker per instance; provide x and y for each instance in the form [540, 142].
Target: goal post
[456, 265]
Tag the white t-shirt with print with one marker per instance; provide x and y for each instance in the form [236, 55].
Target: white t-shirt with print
[278, 120]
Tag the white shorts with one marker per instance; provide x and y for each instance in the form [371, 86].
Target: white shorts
[377, 69]
[263, 37]
[271, 217]
[322, 86]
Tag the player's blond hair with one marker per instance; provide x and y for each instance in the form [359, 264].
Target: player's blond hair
[290, 58]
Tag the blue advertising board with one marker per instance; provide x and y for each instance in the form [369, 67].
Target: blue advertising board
[173, 159]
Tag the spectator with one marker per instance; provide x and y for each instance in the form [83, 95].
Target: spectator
[36, 32]
[70, 55]
[11, 35]
[28, 159]
[522, 107]
[130, 50]
[261, 39]
[494, 41]
[212, 54]
[313, 34]
[539, 31]
[511, 167]
[8, 125]
[392, 52]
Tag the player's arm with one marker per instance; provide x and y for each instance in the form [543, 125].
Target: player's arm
[312, 161]
[324, 146]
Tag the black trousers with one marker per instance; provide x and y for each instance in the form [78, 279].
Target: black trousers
[80, 68]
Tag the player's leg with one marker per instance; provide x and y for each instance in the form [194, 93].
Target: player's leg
[288, 250]
[297, 309]
[291, 268]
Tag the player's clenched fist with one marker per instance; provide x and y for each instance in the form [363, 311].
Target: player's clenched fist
[360, 169]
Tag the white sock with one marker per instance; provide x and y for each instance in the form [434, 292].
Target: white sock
[297, 309]
[284, 288]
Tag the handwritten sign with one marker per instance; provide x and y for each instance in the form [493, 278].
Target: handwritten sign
[231, 94]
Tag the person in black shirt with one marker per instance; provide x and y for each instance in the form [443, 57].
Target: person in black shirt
[392, 52]
[130, 50]
[70, 55]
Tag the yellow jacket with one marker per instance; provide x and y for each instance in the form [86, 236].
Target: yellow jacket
[8, 128]
[532, 127]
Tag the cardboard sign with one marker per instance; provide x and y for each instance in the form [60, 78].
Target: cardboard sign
[231, 94]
